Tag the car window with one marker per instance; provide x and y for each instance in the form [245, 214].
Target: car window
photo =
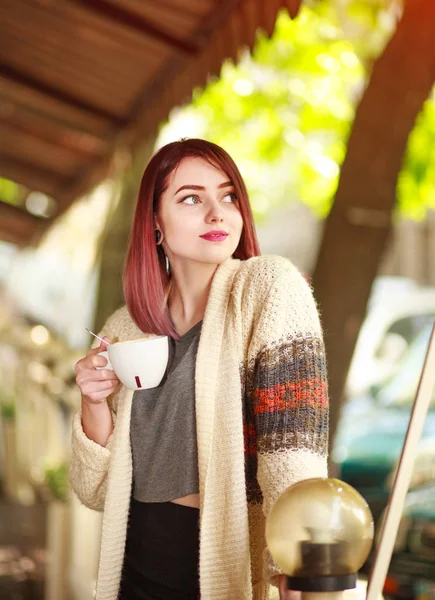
[402, 332]
[401, 388]
[409, 327]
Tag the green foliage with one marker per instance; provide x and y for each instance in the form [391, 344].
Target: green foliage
[11, 192]
[416, 184]
[285, 113]
[289, 109]
[7, 409]
[56, 480]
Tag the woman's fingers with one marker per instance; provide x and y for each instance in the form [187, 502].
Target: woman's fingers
[97, 397]
[100, 348]
[92, 359]
[95, 384]
[96, 361]
[90, 381]
[95, 375]
[93, 387]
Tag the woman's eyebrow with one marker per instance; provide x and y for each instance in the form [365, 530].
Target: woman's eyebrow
[201, 187]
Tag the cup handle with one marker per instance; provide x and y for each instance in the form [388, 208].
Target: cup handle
[106, 356]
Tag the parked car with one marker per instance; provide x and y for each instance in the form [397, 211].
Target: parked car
[411, 575]
[373, 426]
[367, 448]
[398, 310]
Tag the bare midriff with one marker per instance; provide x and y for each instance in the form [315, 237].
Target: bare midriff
[191, 500]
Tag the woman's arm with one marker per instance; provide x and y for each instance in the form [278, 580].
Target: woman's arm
[92, 430]
[88, 467]
[96, 384]
[289, 395]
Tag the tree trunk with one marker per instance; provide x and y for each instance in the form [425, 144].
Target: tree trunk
[115, 239]
[359, 224]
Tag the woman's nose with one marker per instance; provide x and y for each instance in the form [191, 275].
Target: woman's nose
[215, 214]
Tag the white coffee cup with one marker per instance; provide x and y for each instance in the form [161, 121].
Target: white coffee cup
[138, 364]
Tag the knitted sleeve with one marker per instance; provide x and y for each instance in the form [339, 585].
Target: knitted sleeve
[289, 394]
[89, 462]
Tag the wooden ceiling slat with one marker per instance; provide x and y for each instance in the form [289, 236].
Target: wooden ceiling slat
[251, 20]
[30, 156]
[52, 46]
[145, 116]
[17, 225]
[29, 81]
[234, 32]
[109, 99]
[215, 50]
[174, 19]
[192, 9]
[293, 7]
[83, 38]
[72, 20]
[84, 145]
[81, 84]
[78, 81]
[103, 86]
[40, 152]
[187, 83]
[270, 12]
[87, 178]
[26, 174]
[21, 99]
[135, 22]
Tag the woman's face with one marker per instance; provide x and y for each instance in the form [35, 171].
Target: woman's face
[199, 215]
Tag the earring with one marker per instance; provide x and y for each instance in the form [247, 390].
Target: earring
[168, 266]
[159, 239]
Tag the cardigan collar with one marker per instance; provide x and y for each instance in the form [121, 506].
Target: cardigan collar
[219, 425]
[207, 371]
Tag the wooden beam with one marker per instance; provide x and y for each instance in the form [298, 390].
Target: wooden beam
[30, 176]
[137, 23]
[12, 74]
[87, 178]
[82, 144]
[32, 104]
[150, 106]
[38, 152]
[293, 7]
[18, 226]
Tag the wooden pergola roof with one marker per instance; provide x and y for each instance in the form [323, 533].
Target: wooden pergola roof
[80, 78]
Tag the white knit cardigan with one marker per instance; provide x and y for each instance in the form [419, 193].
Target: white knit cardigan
[253, 305]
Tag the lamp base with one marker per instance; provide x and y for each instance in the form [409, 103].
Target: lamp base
[323, 595]
[336, 583]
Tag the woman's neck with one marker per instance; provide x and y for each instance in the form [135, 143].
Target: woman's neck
[189, 294]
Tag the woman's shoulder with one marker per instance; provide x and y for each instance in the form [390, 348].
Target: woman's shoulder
[277, 292]
[264, 271]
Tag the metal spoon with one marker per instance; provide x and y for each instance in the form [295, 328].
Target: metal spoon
[98, 337]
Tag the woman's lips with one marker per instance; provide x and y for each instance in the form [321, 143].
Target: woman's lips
[215, 236]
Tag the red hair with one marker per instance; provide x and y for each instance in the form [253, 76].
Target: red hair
[145, 278]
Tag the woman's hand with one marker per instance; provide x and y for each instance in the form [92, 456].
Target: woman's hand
[284, 593]
[95, 385]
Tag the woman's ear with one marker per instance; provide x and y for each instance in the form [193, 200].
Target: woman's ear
[156, 221]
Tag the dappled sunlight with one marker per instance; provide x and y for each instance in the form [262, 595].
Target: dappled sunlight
[286, 109]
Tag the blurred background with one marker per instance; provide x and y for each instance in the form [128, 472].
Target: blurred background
[328, 108]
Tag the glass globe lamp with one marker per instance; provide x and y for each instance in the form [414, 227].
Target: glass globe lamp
[320, 532]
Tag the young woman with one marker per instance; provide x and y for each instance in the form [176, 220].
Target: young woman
[186, 472]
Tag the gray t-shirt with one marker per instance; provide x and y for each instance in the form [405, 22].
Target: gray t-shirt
[163, 428]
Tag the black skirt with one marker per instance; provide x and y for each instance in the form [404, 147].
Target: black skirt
[162, 553]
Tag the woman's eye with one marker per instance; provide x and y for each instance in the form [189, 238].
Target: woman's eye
[190, 200]
[230, 197]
